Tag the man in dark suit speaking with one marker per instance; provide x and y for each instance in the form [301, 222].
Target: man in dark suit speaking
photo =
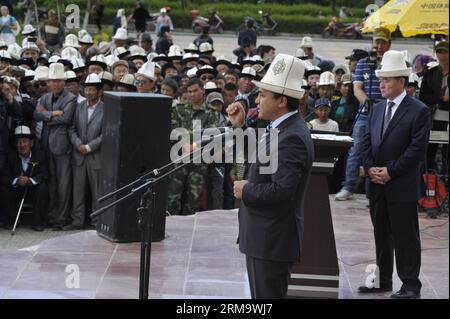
[395, 148]
[271, 212]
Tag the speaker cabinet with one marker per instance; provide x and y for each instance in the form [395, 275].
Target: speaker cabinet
[135, 139]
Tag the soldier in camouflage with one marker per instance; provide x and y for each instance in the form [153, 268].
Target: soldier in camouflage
[186, 185]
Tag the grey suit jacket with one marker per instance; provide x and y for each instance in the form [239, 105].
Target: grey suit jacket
[55, 135]
[87, 132]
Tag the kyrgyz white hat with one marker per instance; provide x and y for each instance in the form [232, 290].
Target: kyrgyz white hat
[326, 78]
[284, 76]
[121, 34]
[192, 72]
[393, 64]
[23, 131]
[56, 71]
[111, 59]
[71, 41]
[27, 29]
[206, 48]
[78, 64]
[86, 39]
[306, 43]
[53, 59]
[70, 53]
[93, 80]
[151, 56]
[128, 81]
[147, 70]
[120, 52]
[71, 76]
[41, 73]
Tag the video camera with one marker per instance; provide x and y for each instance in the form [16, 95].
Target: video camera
[372, 60]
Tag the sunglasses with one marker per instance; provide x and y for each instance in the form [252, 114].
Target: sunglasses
[207, 78]
[142, 82]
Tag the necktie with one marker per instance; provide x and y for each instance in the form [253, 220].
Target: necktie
[388, 116]
[268, 128]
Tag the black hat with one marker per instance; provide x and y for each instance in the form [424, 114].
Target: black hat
[357, 54]
[26, 61]
[326, 65]
[312, 70]
[161, 57]
[167, 66]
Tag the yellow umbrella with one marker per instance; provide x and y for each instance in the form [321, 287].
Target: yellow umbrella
[413, 17]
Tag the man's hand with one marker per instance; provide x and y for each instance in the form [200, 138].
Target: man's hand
[82, 149]
[379, 175]
[236, 114]
[23, 181]
[238, 186]
[57, 113]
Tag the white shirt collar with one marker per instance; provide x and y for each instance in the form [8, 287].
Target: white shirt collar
[398, 100]
[279, 120]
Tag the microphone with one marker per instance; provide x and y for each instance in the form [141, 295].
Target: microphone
[212, 130]
[210, 134]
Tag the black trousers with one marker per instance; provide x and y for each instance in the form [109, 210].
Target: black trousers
[396, 228]
[10, 198]
[268, 279]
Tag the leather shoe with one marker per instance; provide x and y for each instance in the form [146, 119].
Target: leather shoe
[57, 227]
[72, 227]
[366, 290]
[406, 294]
[38, 228]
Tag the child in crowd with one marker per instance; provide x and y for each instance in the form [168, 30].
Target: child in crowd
[322, 122]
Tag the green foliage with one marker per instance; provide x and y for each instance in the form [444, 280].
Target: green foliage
[302, 16]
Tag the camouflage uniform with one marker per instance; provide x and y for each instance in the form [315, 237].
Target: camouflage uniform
[186, 185]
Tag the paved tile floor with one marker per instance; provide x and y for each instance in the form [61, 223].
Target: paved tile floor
[198, 259]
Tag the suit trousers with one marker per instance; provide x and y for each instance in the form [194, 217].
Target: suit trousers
[268, 279]
[10, 198]
[60, 186]
[83, 175]
[396, 228]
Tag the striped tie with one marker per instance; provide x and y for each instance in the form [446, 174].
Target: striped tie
[388, 116]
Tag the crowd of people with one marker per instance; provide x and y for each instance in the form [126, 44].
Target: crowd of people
[51, 108]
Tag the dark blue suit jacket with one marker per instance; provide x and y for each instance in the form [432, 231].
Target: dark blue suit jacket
[271, 212]
[402, 149]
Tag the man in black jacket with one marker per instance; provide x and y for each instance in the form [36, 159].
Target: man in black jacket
[271, 213]
[434, 93]
[25, 169]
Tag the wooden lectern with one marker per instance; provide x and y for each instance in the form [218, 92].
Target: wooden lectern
[317, 273]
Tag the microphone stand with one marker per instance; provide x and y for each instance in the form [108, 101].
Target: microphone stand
[145, 214]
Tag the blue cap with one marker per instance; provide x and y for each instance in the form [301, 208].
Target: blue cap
[321, 102]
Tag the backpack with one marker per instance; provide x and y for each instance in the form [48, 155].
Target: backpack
[435, 192]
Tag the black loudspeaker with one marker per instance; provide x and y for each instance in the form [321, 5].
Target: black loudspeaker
[135, 139]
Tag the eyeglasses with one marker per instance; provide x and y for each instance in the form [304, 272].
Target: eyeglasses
[207, 78]
[142, 82]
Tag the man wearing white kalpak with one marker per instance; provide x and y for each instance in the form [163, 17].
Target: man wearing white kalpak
[271, 212]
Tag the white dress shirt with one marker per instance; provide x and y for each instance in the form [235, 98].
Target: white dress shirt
[398, 100]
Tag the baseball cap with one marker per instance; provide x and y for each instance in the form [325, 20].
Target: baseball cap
[357, 54]
[322, 102]
[441, 46]
[382, 34]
